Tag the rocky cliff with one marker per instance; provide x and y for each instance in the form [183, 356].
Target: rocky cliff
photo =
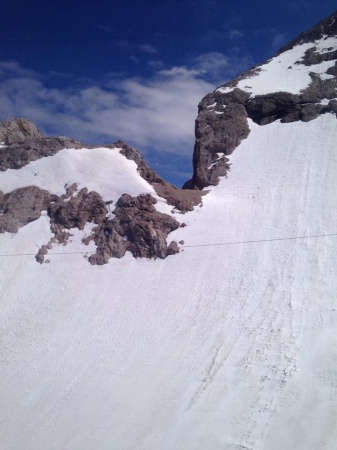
[266, 93]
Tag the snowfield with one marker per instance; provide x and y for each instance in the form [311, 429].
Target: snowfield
[283, 73]
[226, 345]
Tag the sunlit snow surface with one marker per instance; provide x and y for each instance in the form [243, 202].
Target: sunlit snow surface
[219, 347]
[282, 73]
[103, 170]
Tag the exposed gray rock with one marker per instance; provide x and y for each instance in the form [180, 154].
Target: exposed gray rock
[18, 130]
[222, 120]
[312, 57]
[182, 200]
[143, 169]
[19, 207]
[19, 154]
[74, 212]
[138, 228]
[218, 129]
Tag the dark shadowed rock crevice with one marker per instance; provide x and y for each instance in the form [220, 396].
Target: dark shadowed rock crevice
[182, 200]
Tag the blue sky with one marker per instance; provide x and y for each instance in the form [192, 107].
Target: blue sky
[135, 70]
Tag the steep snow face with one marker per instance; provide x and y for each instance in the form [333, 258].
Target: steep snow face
[286, 72]
[223, 346]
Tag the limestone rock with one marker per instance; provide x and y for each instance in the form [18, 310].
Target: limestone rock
[222, 119]
[19, 207]
[18, 130]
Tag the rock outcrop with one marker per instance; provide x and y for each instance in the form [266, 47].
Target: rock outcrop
[220, 126]
[136, 226]
[222, 118]
[17, 130]
[22, 206]
[182, 200]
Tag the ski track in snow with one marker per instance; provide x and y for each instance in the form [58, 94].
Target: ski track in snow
[228, 347]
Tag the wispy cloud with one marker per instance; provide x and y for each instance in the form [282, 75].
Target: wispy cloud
[235, 34]
[156, 112]
[146, 48]
[279, 39]
[219, 67]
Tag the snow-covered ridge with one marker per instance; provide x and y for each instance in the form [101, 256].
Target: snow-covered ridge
[285, 71]
[103, 170]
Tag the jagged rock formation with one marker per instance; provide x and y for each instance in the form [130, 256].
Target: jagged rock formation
[18, 130]
[137, 226]
[222, 119]
[219, 128]
[21, 206]
[24, 143]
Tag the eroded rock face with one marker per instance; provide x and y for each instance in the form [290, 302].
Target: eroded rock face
[222, 119]
[136, 227]
[22, 206]
[19, 154]
[24, 143]
[18, 130]
[220, 126]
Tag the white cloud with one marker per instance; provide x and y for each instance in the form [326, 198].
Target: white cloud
[219, 67]
[157, 112]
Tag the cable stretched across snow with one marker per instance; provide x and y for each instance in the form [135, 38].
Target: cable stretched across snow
[261, 240]
[293, 238]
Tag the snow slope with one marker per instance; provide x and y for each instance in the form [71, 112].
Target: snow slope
[284, 73]
[219, 347]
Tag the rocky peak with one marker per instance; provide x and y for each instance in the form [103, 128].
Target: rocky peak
[223, 115]
[325, 28]
[18, 130]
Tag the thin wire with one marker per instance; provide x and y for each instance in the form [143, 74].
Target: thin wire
[261, 240]
[193, 246]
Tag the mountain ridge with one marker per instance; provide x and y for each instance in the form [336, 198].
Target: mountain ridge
[228, 344]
